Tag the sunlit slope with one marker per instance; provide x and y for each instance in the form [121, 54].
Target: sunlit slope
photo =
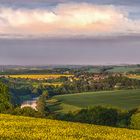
[14, 127]
[126, 99]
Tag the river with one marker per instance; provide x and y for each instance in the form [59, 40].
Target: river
[30, 103]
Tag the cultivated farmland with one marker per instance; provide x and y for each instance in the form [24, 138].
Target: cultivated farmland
[125, 99]
[134, 76]
[39, 76]
[25, 128]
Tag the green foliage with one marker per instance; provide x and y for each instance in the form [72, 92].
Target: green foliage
[135, 121]
[41, 103]
[26, 111]
[98, 115]
[21, 90]
[95, 115]
[87, 82]
[101, 115]
[4, 98]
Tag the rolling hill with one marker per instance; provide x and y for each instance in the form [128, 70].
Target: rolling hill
[125, 99]
[25, 128]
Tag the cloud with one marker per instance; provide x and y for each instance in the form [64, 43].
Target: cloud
[135, 4]
[114, 2]
[70, 19]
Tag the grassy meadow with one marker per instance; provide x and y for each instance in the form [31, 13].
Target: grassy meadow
[125, 99]
[115, 69]
[123, 69]
[26, 128]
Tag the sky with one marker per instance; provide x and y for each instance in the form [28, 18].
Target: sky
[39, 32]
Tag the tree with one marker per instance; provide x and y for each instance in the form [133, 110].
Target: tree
[95, 115]
[41, 103]
[5, 103]
[100, 115]
[135, 121]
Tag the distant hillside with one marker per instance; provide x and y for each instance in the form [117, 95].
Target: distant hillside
[22, 128]
[126, 99]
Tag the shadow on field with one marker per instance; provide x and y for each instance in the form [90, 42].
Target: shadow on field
[54, 106]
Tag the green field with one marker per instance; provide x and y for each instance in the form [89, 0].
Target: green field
[94, 70]
[123, 69]
[115, 69]
[25, 128]
[125, 99]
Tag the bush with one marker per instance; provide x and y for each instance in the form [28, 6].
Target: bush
[103, 115]
[124, 118]
[26, 111]
[135, 121]
[96, 115]
[99, 115]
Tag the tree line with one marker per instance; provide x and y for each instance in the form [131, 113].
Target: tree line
[100, 115]
[87, 84]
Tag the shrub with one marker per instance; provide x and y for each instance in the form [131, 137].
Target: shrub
[101, 115]
[135, 121]
[95, 115]
[26, 111]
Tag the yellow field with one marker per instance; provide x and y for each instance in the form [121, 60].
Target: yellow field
[133, 76]
[25, 128]
[39, 76]
[52, 84]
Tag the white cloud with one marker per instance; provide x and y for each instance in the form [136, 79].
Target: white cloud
[67, 20]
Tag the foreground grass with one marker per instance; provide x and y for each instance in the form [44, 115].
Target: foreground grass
[126, 99]
[19, 128]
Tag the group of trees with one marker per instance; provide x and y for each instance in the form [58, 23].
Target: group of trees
[7, 106]
[40, 111]
[5, 102]
[102, 115]
[21, 89]
[82, 82]
[41, 104]
[25, 111]
[42, 70]
[135, 121]
[88, 84]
